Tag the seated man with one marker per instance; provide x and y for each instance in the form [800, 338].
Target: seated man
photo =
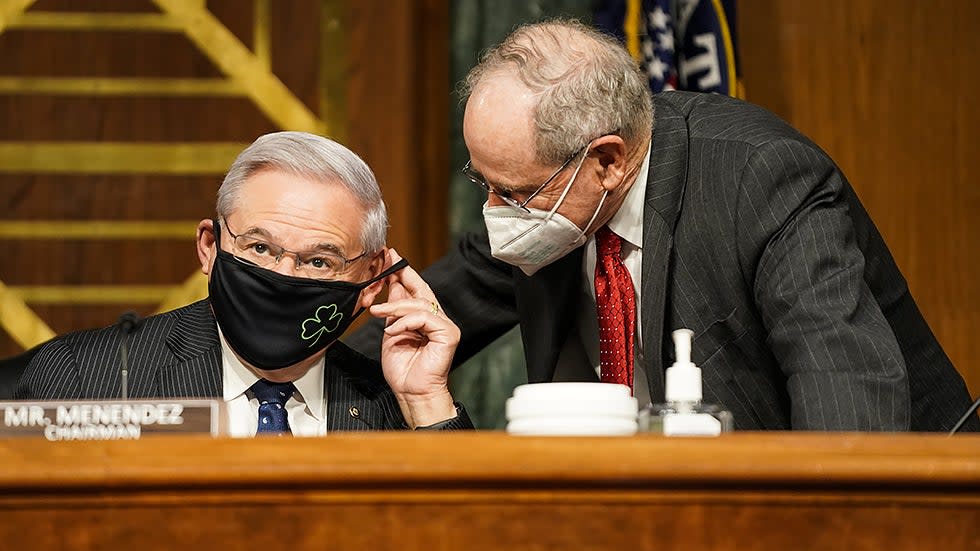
[296, 252]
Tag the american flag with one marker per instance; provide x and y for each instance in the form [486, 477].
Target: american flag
[680, 44]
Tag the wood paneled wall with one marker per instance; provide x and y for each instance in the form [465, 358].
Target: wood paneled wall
[119, 118]
[398, 95]
[889, 90]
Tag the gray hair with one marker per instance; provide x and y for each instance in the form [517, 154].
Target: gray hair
[316, 158]
[586, 88]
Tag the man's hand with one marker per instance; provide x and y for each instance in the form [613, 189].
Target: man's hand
[417, 347]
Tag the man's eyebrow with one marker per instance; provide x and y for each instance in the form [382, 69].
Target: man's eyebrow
[327, 247]
[496, 186]
[319, 247]
[255, 230]
[503, 188]
[322, 247]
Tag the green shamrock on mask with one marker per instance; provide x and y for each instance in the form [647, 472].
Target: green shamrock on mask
[315, 327]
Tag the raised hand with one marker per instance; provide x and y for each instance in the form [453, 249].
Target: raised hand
[417, 347]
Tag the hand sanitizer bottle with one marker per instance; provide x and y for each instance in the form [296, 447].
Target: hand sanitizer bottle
[684, 414]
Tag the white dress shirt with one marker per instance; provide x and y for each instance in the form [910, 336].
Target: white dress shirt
[306, 408]
[628, 224]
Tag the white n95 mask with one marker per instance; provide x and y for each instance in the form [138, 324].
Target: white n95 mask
[532, 240]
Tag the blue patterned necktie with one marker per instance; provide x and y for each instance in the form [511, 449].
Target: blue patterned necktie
[272, 399]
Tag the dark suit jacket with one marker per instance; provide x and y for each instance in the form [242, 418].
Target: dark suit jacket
[755, 241]
[177, 354]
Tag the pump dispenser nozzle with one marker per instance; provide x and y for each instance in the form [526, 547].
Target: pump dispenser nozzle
[682, 345]
[683, 379]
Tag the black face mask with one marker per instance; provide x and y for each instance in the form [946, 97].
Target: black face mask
[274, 321]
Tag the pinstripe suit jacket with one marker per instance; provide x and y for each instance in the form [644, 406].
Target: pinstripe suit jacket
[755, 241]
[178, 355]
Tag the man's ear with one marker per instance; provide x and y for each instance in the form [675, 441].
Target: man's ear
[610, 151]
[378, 264]
[207, 248]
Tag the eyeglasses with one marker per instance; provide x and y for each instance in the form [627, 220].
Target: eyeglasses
[479, 180]
[318, 264]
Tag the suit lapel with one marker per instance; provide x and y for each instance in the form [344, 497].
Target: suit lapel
[348, 409]
[353, 389]
[664, 197]
[193, 340]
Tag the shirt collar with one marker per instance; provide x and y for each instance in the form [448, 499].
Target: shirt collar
[628, 220]
[237, 379]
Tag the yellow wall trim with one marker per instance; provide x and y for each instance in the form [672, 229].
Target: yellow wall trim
[40, 20]
[98, 229]
[91, 294]
[120, 86]
[117, 157]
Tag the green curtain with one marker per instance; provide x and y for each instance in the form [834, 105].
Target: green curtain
[486, 381]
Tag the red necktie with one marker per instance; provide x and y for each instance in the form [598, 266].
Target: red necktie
[616, 308]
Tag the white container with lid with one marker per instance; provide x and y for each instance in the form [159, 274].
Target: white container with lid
[572, 409]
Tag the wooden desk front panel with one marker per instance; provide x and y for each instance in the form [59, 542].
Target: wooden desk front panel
[490, 491]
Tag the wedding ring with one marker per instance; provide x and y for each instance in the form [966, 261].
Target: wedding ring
[434, 307]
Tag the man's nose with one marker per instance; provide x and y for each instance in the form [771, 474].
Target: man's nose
[494, 200]
[287, 265]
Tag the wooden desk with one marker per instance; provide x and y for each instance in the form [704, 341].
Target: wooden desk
[360, 492]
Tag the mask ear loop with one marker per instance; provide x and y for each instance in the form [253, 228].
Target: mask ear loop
[568, 186]
[401, 264]
[595, 214]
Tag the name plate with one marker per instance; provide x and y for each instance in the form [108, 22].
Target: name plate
[111, 420]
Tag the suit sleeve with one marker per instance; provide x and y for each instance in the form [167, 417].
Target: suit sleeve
[393, 419]
[475, 290]
[844, 367]
[460, 422]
